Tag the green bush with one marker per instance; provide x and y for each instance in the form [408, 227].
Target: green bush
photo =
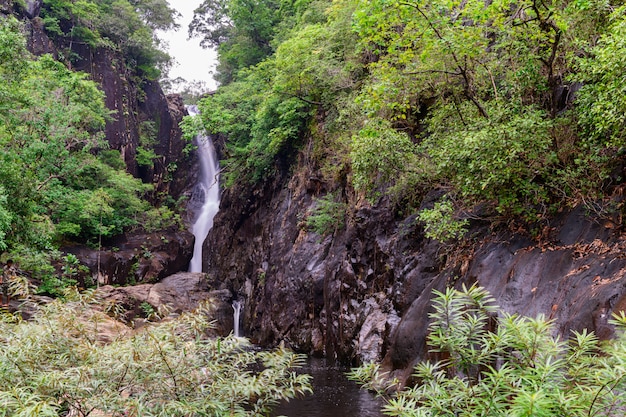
[379, 155]
[506, 159]
[262, 126]
[327, 216]
[602, 98]
[440, 223]
[508, 366]
[58, 364]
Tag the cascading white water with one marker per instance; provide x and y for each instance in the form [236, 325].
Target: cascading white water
[209, 184]
[237, 305]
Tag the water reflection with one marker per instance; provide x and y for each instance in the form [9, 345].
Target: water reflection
[333, 395]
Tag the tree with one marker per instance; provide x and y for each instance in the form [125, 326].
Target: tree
[157, 14]
[241, 30]
[212, 23]
[128, 26]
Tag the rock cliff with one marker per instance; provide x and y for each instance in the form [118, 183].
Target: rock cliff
[364, 293]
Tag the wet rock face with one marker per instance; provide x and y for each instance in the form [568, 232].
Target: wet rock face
[340, 296]
[32, 8]
[137, 108]
[577, 278]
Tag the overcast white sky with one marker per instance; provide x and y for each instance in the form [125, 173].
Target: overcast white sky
[192, 61]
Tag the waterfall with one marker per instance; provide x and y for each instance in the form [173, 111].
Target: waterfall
[237, 306]
[209, 185]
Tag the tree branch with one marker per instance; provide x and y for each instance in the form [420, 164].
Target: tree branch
[306, 100]
[47, 180]
[469, 90]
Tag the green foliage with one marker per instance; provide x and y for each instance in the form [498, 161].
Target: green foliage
[478, 85]
[242, 31]
[308, 65]
[440, 223]
[53, 284]
[265, 109]
[37, 262]
[506, 158]
[378, 154]
[148, 310]
[102, 203]
[6, 219]
[112, 157]
[58, 179]
[70, 266]
[261, 125]
[145, 157]
[54, 133]
[328, 215]
[515, 367]
[399, 97]
[160, 218]
[124, 25]
[601, 102]
[58, 363]
[371, 377]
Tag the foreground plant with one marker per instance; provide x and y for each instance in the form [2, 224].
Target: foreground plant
[509, 366]
[58, 364]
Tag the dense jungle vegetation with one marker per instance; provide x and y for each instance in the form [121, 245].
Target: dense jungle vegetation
[451, 111]
[514, 107]
[60, 181]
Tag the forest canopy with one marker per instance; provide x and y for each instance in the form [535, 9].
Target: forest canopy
[517, 106]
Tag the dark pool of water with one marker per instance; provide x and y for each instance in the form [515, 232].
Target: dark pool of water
[333, 395]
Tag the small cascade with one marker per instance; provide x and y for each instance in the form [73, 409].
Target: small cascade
[237, 306]
[209, 185]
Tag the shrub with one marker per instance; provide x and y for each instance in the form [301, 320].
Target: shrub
[58, 365]
[379, 154]
[601, 103]
[327, 216]
[506, 159]
[440, 223]
[512, 366]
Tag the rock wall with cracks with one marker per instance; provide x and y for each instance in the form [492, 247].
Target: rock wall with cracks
[364, 293]
[341, 295]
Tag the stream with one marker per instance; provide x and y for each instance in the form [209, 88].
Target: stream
[333, 395]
